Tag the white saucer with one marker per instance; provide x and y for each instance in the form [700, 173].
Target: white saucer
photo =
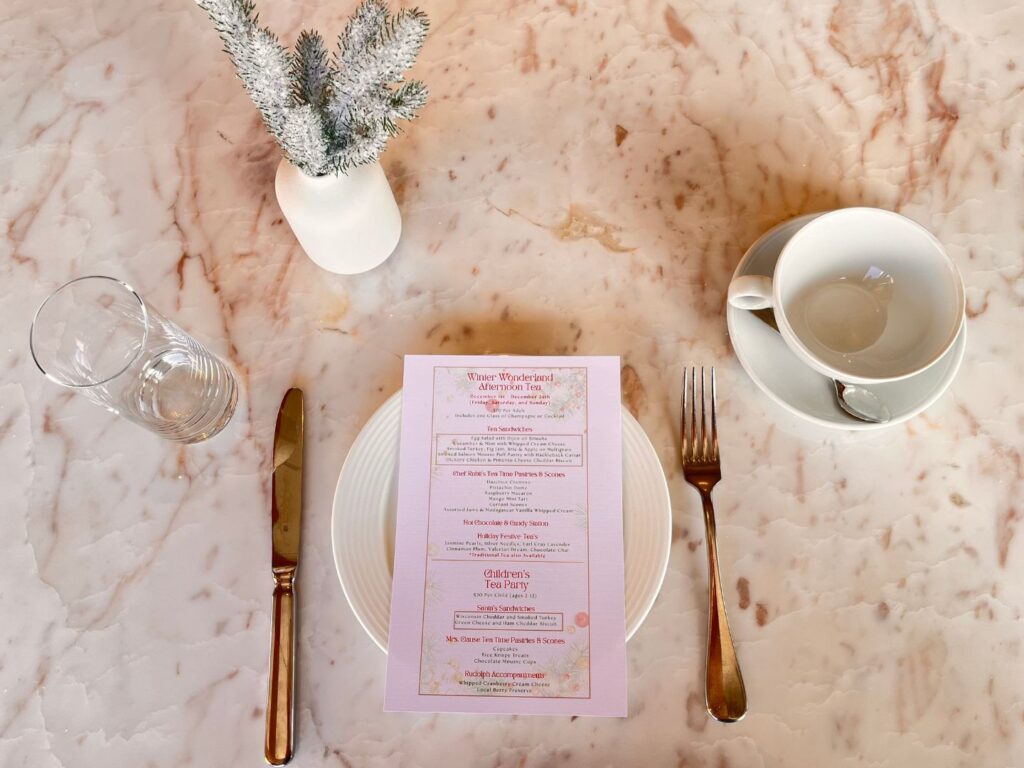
[803, 391]
[363, 523]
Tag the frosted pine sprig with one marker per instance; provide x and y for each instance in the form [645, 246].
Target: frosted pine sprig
[327, 113]
[366, 24]
[311, 71]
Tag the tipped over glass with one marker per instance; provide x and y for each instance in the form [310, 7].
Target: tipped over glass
[96, 335]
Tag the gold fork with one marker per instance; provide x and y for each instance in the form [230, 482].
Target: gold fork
[725, 695]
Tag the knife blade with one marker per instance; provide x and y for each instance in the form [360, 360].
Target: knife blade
[286, 522]
[287, 481]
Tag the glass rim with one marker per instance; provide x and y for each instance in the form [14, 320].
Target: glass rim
[129, 364]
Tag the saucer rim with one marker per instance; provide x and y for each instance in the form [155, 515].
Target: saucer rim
[958, 349]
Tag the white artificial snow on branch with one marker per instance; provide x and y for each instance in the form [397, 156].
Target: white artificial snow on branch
[328, 113]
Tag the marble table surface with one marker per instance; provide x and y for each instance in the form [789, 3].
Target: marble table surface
[585, 179]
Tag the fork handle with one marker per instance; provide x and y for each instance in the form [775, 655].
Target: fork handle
[724, 690]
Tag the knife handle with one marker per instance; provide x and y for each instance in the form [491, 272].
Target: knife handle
[280, 694]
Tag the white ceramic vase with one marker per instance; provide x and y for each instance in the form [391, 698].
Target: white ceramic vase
[347, 223]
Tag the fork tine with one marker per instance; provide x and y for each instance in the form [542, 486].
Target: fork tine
[703, 423]
[682, 419]
[693, 413]
[714, 418]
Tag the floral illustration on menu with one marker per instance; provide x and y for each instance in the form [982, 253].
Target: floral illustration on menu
[568, 392]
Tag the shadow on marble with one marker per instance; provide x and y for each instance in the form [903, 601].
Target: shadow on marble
[482, 335]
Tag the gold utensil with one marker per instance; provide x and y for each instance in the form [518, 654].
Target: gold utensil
[286, 514]
[725, 695]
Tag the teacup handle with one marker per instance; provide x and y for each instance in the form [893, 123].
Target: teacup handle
[751, 292]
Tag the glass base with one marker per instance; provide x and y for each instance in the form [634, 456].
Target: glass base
[186, 395]
[214, 425]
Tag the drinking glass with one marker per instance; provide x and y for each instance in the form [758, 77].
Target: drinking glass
[97, 335]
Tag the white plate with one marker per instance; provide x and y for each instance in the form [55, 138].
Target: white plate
[363, 524]
[803, 391]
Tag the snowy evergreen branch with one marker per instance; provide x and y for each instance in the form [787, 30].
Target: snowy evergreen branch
[311, 71]
[328, 114]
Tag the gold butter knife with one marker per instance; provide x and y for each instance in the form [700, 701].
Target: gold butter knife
[286, 512]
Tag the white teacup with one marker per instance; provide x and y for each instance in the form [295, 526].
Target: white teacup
[861, 295]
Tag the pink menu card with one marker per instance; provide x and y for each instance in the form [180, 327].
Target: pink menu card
[508, 579]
